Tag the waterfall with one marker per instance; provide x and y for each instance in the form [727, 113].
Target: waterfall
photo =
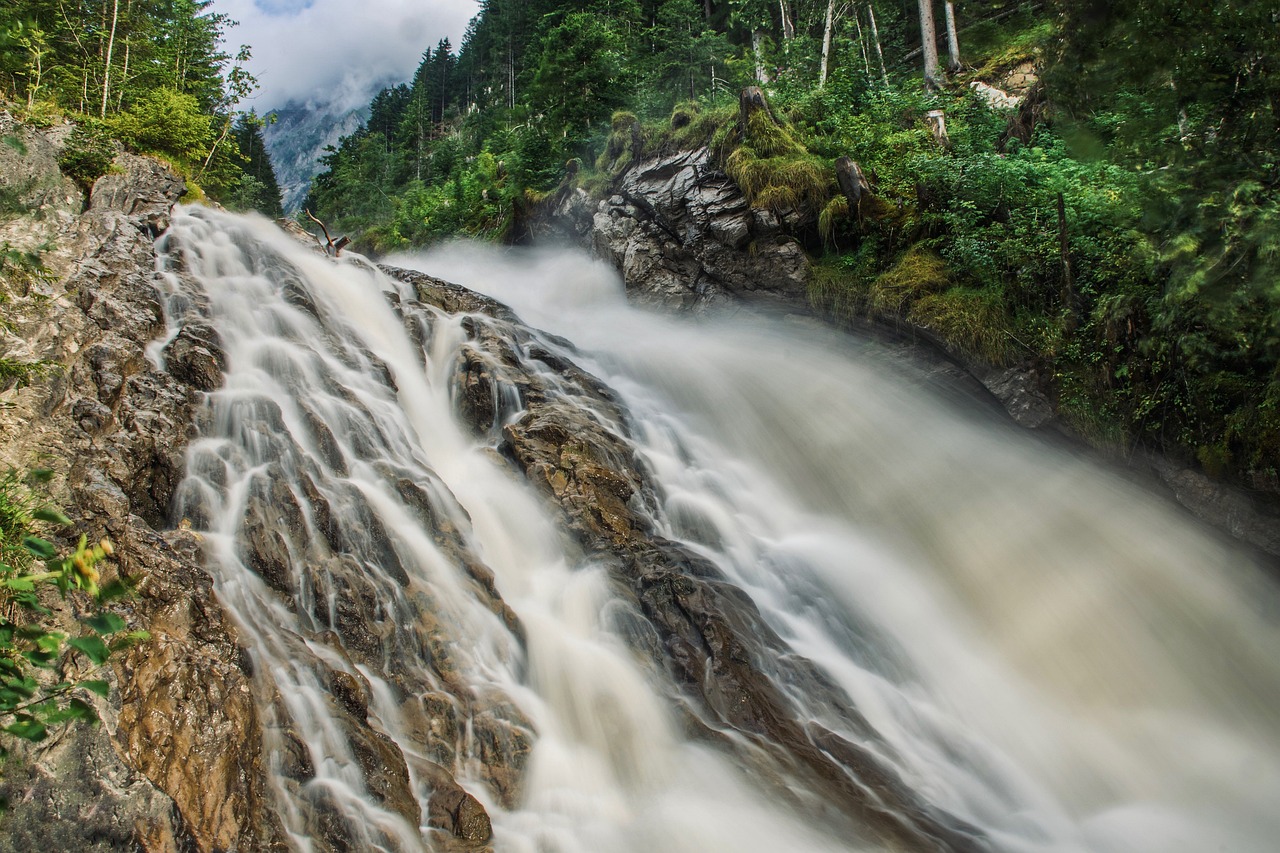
[976, 639]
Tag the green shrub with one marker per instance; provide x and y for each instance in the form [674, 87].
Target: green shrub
[166, 122]
[87, 155]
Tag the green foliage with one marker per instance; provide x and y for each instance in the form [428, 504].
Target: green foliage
[42, 683]
[88, 154]
[1157, 321]
[918, 273]
[166, 122]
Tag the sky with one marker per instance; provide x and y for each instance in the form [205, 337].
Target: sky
[337, 52]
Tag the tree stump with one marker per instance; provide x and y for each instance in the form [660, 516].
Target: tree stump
[853, 183]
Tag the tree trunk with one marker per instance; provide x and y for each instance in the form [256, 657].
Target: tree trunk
[938, 126]
[757, 50]
[862, 45]
[929, 44]
[1068, 295]
[953, 40]
[788, 25]
[875, 35]
[106, 68]
[826, 43]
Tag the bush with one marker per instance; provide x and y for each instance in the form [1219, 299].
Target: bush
[87, 155]
[166, 122]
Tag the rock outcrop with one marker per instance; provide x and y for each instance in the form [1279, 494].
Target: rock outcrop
[683, 235]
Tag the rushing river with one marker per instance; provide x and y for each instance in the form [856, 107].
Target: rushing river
[1049, 654]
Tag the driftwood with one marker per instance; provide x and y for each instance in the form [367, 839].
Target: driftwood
[331, 247]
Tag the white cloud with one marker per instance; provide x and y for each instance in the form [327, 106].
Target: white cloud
[338, 51]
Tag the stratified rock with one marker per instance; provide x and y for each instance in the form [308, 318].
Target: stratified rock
[683, 235]
[1020, 394]
[195, 357]
[457, 812]
[142, 189]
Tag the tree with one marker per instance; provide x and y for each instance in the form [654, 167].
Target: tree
[578, 79]
[929, 44]
[953, 40]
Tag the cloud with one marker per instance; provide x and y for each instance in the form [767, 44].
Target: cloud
[338, 52]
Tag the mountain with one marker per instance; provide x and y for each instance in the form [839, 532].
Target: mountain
[296, 140]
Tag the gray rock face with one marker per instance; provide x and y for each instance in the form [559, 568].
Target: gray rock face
[177, 763]
[29, 177]
[1018, 392]
[683, 235]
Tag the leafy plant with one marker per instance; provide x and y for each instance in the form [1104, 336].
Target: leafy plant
[37, 688]
[87, 155]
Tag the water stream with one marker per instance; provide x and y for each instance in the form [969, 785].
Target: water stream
[1040, 648]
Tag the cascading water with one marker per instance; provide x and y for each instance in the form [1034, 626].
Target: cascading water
[1008, 648]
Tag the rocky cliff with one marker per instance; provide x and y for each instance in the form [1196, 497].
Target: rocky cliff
[683, 235]
[177, 762]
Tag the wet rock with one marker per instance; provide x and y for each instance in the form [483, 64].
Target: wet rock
[1020, 394]
[1222, 506]
[504, 748]
[454, 810]
[350, 693]
[385, 773]
[474, 393]
[195, 357]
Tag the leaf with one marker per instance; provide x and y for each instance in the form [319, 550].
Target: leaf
[93, 648]
[102, 688]
[39, 548]
[28, 729]
[118, 588]
[20, 584]
[51, 515]
[130, 640]
[105, 623]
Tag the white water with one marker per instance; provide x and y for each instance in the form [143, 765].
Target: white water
[1051, 654]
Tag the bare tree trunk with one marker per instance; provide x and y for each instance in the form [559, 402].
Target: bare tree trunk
[106, 68]
[706, 9]
[862, 45]
[826, 43]
[953, 40]
[875, 35]
[757, 50]
[1068, 294]
[929, 43]
[788, 25]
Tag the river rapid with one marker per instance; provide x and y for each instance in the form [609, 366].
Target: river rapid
[1046, 655]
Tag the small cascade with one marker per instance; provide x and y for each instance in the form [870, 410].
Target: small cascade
[614, 582]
